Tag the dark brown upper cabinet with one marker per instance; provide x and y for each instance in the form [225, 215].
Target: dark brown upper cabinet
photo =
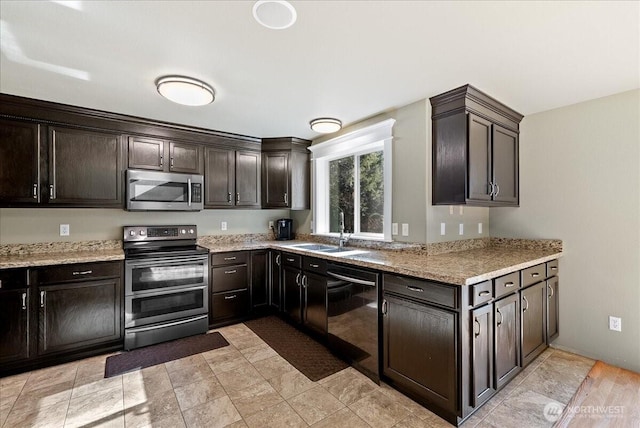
[160, 155]
[19, 162]
[285, 173]
[475, 149]
[232, 178]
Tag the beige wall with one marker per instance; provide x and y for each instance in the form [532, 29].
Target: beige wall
[43, 224]
[580, 182]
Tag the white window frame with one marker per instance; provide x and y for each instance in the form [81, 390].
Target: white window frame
[373, 138]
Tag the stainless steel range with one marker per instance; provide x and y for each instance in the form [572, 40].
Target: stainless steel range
[166, 284]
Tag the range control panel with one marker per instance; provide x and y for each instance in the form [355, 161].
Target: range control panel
[159, 233]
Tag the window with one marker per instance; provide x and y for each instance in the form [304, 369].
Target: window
[352, 181]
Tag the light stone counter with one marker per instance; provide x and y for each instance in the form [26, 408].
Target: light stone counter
[59, 253]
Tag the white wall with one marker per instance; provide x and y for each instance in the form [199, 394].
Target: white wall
[580, 182]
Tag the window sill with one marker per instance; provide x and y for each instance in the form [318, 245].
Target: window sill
[354, 237]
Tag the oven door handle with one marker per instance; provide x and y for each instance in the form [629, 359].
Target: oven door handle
[170, 324]
[167, 261]
[354, 280]
[189, 191]
[166, 290]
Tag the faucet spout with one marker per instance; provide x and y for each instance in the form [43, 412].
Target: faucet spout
[342, 241]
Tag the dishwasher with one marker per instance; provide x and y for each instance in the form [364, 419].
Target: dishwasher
[353, 317]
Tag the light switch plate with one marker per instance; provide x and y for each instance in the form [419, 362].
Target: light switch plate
[443, 229]
[479, 228]
[615, 323]
[65, 230]
[461, 229]
[394, 228]
[405, 229]
[223, 225]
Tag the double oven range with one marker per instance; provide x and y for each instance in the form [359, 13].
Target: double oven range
[166, 284]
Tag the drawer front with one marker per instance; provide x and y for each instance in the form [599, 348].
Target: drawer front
[553, 268]
[12, 279]
[79, 272]
[506, 284]
[293, 260]
[226, 278]
[233, 258]
[231, 304]
[481, 293]
[426, 291]
[533, 274]
[311, 264]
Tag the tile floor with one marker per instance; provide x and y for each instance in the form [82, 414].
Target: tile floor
[247, 384]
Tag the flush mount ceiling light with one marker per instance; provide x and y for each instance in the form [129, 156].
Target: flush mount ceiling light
[274, 14]
[325, 125]
[185, 90]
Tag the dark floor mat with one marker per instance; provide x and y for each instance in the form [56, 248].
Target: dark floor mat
[312, 358]
[161, 353]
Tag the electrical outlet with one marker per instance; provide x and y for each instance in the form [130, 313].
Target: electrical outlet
[65, 230]
[394, 228]
[405, 229]
[461, 229]
[443, 229]
[270, 224]
[223, 225]
[479, 228]
[615, 323]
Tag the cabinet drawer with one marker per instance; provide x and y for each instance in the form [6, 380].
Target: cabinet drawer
[553, 268]
[481, 293]
[234, 258]
[311, 264]
[425, 291]
[11, 279]
[532, 275]
[79, 272]
[293, 260]
[231, 304]
[506, 284]
[225, 278]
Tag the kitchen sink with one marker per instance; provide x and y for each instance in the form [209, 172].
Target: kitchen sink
[329, 249]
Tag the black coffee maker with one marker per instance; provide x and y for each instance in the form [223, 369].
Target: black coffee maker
[284, 229]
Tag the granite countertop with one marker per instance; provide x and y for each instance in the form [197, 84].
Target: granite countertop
[59, 253]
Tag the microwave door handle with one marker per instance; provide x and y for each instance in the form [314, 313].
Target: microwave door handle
[189, 190]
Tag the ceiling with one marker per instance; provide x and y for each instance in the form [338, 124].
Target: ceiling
[344, 59]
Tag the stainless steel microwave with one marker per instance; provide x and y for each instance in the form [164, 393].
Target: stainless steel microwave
[164, 191]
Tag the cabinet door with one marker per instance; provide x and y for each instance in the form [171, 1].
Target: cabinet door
[248, 179]
[19, 162]
[300, 180]
[78, 315]
[146, 153]
[259, 289]
[482, 355]
[219, 175]
[275, 279]
[315, 302]
[507, 339]
[185, 158]
[275, 180]
[420, 350]
[534, 326]
[479, 159]
[85, 168]
[553, 307]
[14, 325]
[292, 293]
[505, 165]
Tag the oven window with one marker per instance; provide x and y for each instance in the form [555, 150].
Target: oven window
[153, 277]
[158, 191]
[173, 303]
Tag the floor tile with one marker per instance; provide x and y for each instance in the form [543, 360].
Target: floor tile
[259, 352]
[246, 341]
[240, 378]
[45, 377]
[412, 421]
[12, 385]
[142, 384]
[87, 385]
[379, 410]
[223, 362]
[415, 408]
[255, 398]
[155, 408]
[521, 408]
[273, 366]
[315, 404]
[187, 375]
[349, 386]
[213, 414]
[291, 383]
[278, 416]
[29, 401]
[343, 418]
[98, 409]
[555, 382]
[198, 393]
[45, 417]
[185, 363]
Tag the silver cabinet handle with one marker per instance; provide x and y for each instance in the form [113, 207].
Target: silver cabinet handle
[305, 281]
[497, 190]
[385, 307]
[484, 293]
[188, 189]
[171, 163]
[24, 301]
[278, 259]
[286, 198]
[552, 292]
[42, 297]
[527, 302]
[230, 297]
[490, 189]
[298, 279]
[479, 328]
[237, 197]
[501, 318]
[52, 191]
[84, 272]
[314, 265]
[35, 191]
[230, 258]
[289, 259]
[0, 283]
[229, 197]
[554, 267]
[161, 160]
[229, 272]
[535, 275]
[509, 284]
[417, 289]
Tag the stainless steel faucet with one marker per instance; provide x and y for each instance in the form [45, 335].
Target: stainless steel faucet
[342, 241]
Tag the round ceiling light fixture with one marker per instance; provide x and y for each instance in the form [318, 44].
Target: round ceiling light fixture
[274, 14]
[325, 125]
[185, 90]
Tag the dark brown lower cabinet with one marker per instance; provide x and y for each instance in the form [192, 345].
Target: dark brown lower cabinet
[14, 324]
[553, 308]
[275, 279]
[419, 351]
[507, 339]
[77, 315]
[315, 302]
[230, 287]
[259, 283]
[533, 321]
[292, 299]
[482, 355]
